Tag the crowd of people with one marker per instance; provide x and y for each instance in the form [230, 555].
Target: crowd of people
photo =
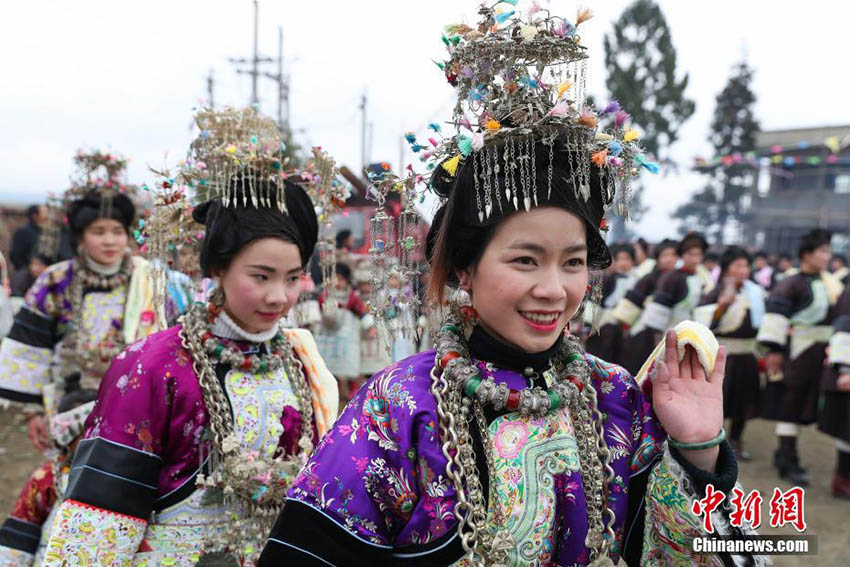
[781, 316]
[558, 400]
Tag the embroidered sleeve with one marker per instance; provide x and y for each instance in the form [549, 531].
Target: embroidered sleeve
[671, 525]
[26, 353]
[375, 488]
[93, 536]
[114, 480]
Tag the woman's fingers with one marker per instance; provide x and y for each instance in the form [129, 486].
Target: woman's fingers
[719, 371]
[671, 351]
[685, 367]
[697, 370]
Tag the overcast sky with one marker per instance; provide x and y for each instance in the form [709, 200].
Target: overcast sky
[126, 75]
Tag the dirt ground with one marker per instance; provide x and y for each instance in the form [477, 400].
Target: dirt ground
[826, 517]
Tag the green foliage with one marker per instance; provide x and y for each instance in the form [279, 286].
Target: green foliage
[733, 133]
[641, 63]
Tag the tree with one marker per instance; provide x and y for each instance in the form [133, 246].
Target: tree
[641, 63]
[733, 136]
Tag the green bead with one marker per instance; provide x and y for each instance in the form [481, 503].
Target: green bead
[574, 357]
[554, 399]
[472, 386]
[451, 328]
[262, 366]
[219, 348]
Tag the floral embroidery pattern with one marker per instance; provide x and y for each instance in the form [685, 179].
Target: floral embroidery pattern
[258, 402]
[529, 454]
[85, 535]
[379, 397]
[391, 489]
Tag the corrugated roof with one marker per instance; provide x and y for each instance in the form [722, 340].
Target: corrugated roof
[789, 137]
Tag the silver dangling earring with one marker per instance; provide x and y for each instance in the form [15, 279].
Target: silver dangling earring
[460, 303]
[217, 297]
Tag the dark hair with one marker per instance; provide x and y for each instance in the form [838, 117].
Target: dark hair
[840, 257]
[813, 240]
[229, 229]
[760, 254]
[692, 240]
[43, 258]
[731, 254]
[32, 210]
[460, 232]
[618, 247]
[712, 257]
[82, 212]
[343, 270]
[667, 243]
[786, 256]
[76, 398]
[341, 237]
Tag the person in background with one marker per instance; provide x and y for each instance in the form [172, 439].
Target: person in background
[374, 355]
[712, 265]
[794, 334]
[733, 311]
[644, 262]
[762, 270]
[784, 268]
[835, 413]
[638, 339]
[344, 318]
[838, 267]
[25, 239]
[23, 278]
[344, 246]
[678, 292]
[79, 314]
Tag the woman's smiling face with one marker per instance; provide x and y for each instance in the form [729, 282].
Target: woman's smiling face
[531, 278]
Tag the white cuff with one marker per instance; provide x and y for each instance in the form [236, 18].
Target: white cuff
[774, 329]
[657, 316]
[367, 322]
[839, 348]
[626, 312]
[705, 314]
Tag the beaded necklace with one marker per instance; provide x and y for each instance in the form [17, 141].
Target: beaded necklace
[90, 358]
[255, 487]
[461, 393]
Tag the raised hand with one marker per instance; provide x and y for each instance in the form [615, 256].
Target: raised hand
[688, 404]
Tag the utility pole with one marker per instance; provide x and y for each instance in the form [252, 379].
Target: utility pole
[210, 84]
[363, 132]
[282, 86]
[255, 60]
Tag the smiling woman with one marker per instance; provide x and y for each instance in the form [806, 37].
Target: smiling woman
[507, 444]
[199, 429]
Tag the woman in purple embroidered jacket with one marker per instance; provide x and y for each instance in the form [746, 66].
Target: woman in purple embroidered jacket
[199, 429]
[492, 448]
[80, 313]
